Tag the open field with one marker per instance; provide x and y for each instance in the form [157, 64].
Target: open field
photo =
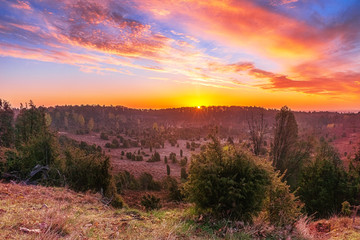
[119, 163]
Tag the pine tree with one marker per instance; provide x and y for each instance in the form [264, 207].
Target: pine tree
[285, 139]
[6, 124]
[167, 169]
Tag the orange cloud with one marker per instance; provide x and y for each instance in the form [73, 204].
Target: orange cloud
[244, 24]
[101, 36]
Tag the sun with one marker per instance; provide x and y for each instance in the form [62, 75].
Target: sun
[198, 107]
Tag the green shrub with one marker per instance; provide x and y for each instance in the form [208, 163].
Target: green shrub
[345, 208]
[183, 174]
[38, 150]
[117, 201]
[167, 169]
[155, 158]
[227, 182]
[282, 207]
[150, 202]
[172, 157]
[147, 182]
[125, 180]
[323, 188]
[84, 171]
[183, 162]
[139, 158]
[172, 186]
[104, 136]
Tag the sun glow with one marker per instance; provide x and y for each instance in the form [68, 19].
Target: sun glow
[198, 107]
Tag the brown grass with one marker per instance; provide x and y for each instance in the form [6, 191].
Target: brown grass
[35, 212]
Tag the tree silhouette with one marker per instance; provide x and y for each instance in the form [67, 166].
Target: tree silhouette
[257, 129]
[285, 139]
[6, 124]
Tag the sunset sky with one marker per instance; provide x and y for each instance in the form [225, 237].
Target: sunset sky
[173, 53]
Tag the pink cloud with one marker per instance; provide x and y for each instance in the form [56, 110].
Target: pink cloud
[21, 5]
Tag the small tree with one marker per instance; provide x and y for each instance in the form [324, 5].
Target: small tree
[288, 153]
[150, 202]
[257, 129]
[6, 124]
[91, 124]
[167, 169]
[324, 186]
[227, 182]
[285, 139]
[183, 174]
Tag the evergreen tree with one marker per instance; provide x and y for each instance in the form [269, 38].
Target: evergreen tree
[323, 187]
[288, 152]
[227, 182]
[30, 122]
[167, 169]
[285, 139]
[6, 124]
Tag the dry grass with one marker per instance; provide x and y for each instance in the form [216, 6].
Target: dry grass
[341, 228]
[35, 212]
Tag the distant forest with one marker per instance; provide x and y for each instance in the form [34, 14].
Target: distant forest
[231, 121]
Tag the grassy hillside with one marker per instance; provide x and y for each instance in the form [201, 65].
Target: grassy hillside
[36, 212]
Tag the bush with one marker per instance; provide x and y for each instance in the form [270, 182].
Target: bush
[345, 208]
[147, 182]
[167, 169]
[104, 136]
[183, 162]
[87, 171]
[128, 155]
[115, 143]
[281, 206]
[117, 201]
[125, 180]
[323, 188]
[150, 202]
[172, 186]
[183, 174]
[155, 158]
[139, 158]
[227, 182]
[172, 157]
[38, 150]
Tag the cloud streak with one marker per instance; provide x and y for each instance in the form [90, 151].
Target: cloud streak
[177, 38]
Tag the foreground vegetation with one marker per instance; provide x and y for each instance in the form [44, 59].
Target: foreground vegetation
[36, 212]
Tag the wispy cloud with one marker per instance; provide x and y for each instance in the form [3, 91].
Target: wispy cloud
[118, 37]
[21, 5]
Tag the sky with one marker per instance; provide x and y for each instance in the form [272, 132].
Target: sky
[159, 54]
